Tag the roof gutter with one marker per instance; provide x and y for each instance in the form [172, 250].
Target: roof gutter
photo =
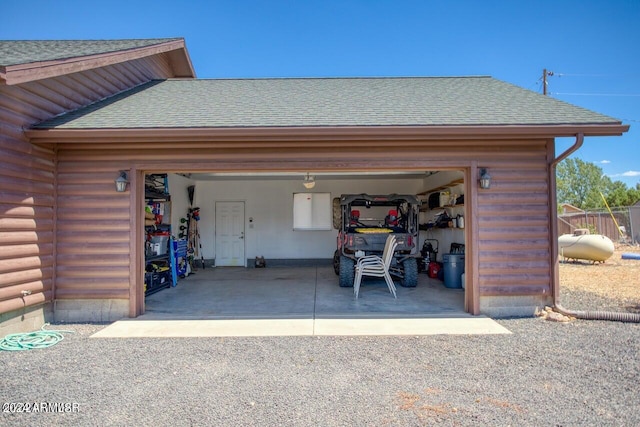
[323, 133]
[585, 315]
[576, 145]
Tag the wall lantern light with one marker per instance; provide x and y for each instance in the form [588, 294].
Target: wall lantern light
[121, 182]
[485, 179]
[309, 182]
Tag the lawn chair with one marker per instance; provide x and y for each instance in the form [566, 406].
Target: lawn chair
[373, 265]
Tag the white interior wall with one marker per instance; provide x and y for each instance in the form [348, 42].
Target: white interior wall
[270, 204]
[179, 200]
[444, 236]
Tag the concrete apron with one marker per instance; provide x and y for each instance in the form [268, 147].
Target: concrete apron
[298, 301]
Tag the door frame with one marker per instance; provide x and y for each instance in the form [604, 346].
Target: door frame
[139, 169]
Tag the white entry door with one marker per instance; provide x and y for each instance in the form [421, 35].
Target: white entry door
[230, 234]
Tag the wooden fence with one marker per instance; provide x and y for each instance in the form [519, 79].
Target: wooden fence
[601, 222]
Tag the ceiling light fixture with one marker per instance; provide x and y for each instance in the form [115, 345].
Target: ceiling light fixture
[309, 182]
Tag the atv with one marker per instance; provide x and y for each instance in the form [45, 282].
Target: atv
[365, 223]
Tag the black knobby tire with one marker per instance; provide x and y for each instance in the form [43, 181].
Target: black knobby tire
[410, 267]
[336, 262]
[347, 272]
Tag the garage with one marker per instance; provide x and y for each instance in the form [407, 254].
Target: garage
[257, 156]
[74, 245]
[244, 218]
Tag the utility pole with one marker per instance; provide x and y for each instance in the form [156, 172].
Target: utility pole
[545, 73]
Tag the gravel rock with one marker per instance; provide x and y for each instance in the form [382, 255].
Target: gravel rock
[581, 373]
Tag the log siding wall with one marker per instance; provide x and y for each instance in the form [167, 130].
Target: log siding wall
[511, 220]
[93, 235]
[514, 230]
[32, 223]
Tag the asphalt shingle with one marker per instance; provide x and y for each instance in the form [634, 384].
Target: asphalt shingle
[411, 101]
[15, 52]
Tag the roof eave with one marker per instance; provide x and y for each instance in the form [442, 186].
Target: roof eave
[323, 133]
[22, 73]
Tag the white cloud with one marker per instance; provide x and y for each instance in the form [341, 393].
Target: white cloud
[604, 162]
[627, 174]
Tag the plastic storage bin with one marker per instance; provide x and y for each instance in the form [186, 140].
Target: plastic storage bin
[160, 243]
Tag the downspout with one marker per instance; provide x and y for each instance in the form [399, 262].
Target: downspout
[578, 314]
[54, 273]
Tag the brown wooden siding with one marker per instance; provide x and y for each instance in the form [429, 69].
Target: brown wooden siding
[93, 233]
[26, 214]
[90, 263]
[513, 228]
[512, 217]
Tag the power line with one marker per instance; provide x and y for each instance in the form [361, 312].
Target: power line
[595, 75]
[596, 94]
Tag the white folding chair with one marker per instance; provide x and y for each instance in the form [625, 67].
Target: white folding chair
[376, 266]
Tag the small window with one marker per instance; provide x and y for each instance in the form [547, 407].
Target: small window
[312, 211]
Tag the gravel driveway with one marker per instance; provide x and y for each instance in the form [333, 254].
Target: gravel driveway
[581, 373]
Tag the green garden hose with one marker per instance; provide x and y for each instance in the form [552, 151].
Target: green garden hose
[30, 340]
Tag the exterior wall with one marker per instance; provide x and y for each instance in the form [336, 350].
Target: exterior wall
[27, 217]
[28, 211]
[93, 233]
[513, 220]
[509, 270]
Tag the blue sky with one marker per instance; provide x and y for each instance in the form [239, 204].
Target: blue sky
[591, 46]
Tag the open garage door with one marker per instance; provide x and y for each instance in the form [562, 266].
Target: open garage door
[299, 278]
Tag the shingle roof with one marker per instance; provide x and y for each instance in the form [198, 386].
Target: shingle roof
[15, 52]
[289, 102]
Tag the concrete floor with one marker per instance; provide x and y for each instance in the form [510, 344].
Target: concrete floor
[298, 301]
[297, 293]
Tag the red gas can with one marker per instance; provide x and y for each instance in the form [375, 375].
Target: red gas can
[434, 269]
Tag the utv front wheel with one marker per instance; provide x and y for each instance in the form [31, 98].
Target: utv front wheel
[346, 272]
[336, 262]
[410, 267]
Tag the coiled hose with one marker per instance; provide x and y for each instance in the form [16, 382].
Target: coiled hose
[30, 340]
[599, 315]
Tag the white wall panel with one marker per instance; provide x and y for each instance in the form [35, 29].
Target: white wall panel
[270, 204]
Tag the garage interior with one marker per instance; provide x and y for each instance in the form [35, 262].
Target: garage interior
[248, 220]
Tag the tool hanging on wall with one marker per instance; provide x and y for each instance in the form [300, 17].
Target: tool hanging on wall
[189, 229]
[194, 235]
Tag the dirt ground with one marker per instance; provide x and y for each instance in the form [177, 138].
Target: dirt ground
[616, 278]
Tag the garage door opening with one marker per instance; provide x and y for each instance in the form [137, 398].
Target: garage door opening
[207, 237]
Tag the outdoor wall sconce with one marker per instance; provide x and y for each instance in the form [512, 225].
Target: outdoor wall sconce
[485, 179]
[121, 182]
[309, 182]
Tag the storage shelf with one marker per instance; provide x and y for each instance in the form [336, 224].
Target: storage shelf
[155, 192]
[426, 208]
[156, 195]
[443, 187]
[157, 258]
